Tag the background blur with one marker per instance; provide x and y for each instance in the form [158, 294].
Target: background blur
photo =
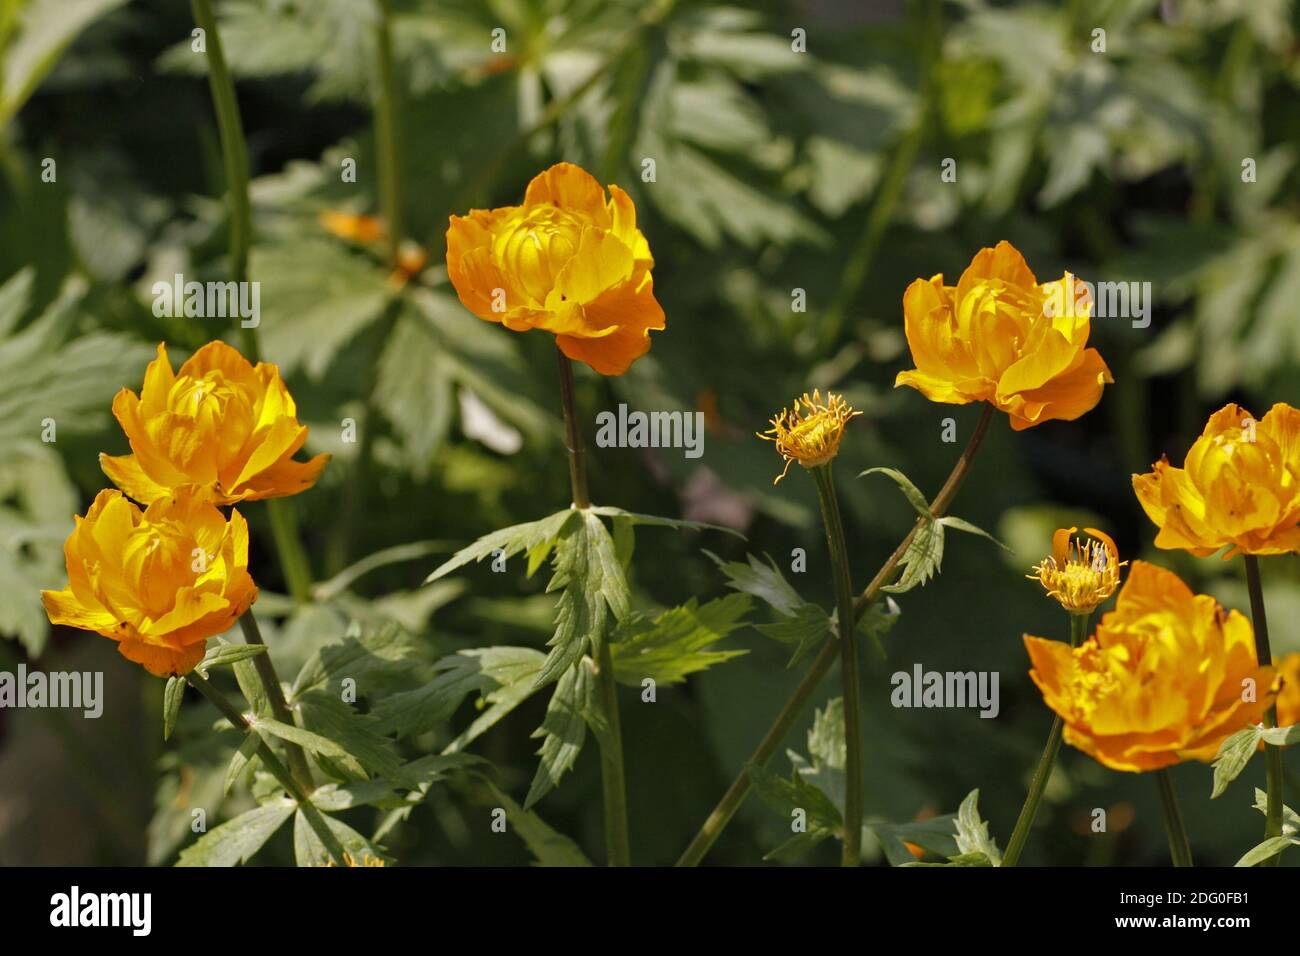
[775, 171]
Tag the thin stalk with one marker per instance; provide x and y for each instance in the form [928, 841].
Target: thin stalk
[612, 779]
[1180, 850]
[735, 796]
[234, 159]
[275, 696]
[234, 156]
[386, 109]
[271, 762]
[1043, 773]
[847, 619]
[1272, 753]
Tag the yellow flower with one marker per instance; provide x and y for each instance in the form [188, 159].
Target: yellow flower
[810, 431]
[1080, 575]
[1166, 677]
[352, 226]
[1288, 698]
[159, 582]
[1239, 486]
[999, 336]
[568, 261]
[218, 423]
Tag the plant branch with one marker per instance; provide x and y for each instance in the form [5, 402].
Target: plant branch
[1272, 753]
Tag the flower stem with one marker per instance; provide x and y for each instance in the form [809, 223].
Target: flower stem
[1179, 849]
[735, 796]
[1043, 773]
[847, 632]
[234, 159]
[234, 156]
[275, 696]
[1272, 753]
[271, 762]
[613, 784]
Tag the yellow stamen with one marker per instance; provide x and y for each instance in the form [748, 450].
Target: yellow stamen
[810, 431]
[1080, 574]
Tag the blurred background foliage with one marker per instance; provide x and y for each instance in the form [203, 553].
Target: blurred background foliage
[774, 171]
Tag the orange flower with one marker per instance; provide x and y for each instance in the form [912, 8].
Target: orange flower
[1288, 698]
[999, 336]
[1166, 677]
[1239, 486]
[218, 423]
[352, 226]
[568, 261]
[159, 582]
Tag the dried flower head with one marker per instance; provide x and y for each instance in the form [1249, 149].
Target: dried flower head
[1080, 574]
[809, 432]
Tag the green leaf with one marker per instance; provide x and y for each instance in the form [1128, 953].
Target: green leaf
[371, 658]
[960, 524]
[766, 583]
[676, 642]
[1290, 820]
[799, 803]
[910, 491]
[235, 841]
[484, 670]
[172, 696]
[223, 655]
[973, 832]
[935, 835]
[312, 742]
[658, 522]
[922, 559]
[514, 671]
[240, 761]
[535, 537]
[548, 847]
[1281, 736]
[46, 28]
[1263, 851]
[368, 752]
[310, 850]
[591, 582]
[250, 685]
[807, 629]
[878, 620]
[564, 729]
[1234, 753]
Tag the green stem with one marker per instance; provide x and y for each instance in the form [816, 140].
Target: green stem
[275, 696]
[386, 108]
[847, 632]
[1043, 773]
[271, 762]
[736, 794]
[1272, 753]
[234, 158]
[1180, 850]
[612, 779]
[890, 192]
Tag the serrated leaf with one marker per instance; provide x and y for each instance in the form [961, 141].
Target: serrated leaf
[658, 522]
[368, 752]
[1290, 819]
[563, 729]
[764, 582]
[240, 760]
[515, 670]
[935, 835]
[878, 620]
[237, 840]
[592, 586]
[535, 537]
[423, 708]
[807, 629]
[675, 643]
[366, 657]
[548, 847]
[910, 491]
[922, 559]
[172, 696]
[1234, 753]
[250, 685]
[786, 795]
